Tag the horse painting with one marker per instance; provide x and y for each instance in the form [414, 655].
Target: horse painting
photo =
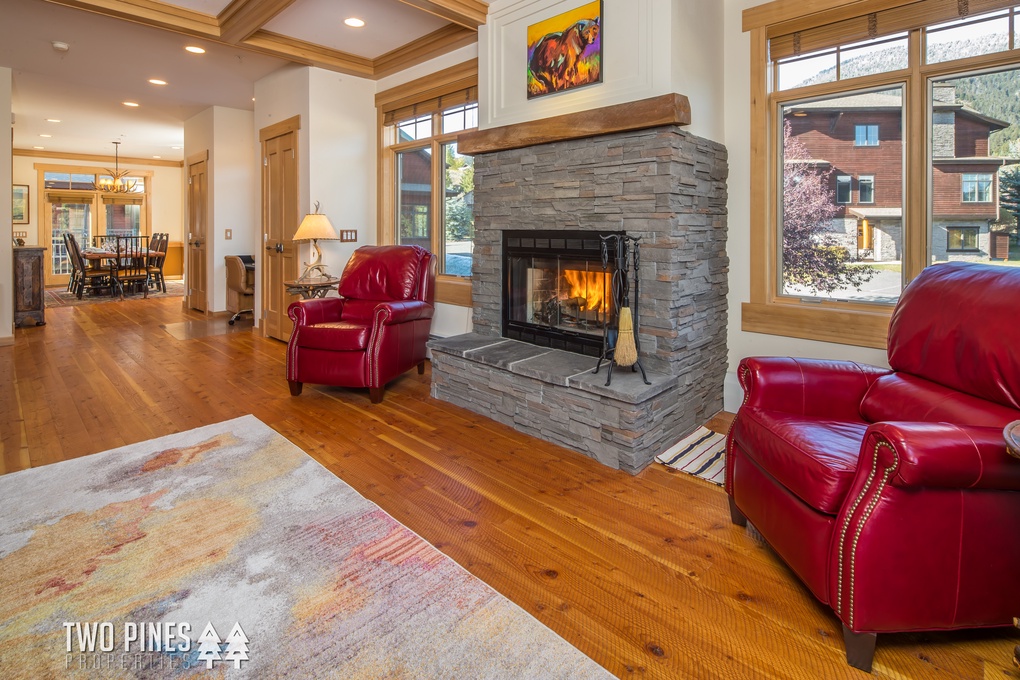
[565, 59]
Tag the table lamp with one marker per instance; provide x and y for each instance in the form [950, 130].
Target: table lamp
[315, 227]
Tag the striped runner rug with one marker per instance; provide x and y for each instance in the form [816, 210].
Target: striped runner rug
[701, 453]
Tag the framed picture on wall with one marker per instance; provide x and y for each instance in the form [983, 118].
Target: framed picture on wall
[20, 204]
[565, 51]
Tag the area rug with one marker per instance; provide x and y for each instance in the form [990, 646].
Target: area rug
[701, 453]
[228, 549]
[60, 297]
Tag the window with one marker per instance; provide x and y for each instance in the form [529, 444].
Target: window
[923, 123]
[962, 238]
[866, 189]
[866, 135]
[844, 184]
[430, 199]
[977, 187]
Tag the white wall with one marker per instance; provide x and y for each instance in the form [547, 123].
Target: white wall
[6, 243]
[342, 161]
[235, 203]
[737, 119]
[650, 48]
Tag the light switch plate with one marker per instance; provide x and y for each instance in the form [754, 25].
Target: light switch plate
[348, 235]
[228, 234]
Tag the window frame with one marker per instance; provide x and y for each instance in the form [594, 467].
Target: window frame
[987, 177]
[863, 180]
[849, 184]
[976, 231]
[828, 320]
[867, 143]
[454, 290]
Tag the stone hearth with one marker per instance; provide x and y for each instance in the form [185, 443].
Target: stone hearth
[661, 184]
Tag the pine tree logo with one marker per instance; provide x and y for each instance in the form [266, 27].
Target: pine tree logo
[209, 646]
[237, 646]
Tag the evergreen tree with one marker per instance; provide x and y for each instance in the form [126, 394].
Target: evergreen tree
[1009, 192]
[811, 255]
[237, 646]
[209, 646]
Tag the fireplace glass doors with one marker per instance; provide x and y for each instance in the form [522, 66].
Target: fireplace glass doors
[556, 291]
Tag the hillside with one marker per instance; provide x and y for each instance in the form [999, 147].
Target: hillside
[994, 94]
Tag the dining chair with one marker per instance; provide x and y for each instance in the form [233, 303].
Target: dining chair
[131, 263]
[72, 280]
[91, 278]
[157, 255]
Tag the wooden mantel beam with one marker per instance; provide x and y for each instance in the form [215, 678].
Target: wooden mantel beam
[667, 109]
[468, 13]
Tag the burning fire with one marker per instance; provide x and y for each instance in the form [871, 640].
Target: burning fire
[588, 286]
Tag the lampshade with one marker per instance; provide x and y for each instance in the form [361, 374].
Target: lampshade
[316, 226]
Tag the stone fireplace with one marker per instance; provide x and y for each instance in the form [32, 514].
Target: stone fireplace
[544, 193]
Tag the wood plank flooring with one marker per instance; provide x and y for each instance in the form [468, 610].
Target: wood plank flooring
[645, 574]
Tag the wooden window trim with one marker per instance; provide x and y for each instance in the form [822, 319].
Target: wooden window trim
[859, 324]
[452, 290]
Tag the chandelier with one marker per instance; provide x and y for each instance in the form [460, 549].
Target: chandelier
[115, 183]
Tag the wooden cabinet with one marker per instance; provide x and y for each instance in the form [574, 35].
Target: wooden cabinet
[29, 292]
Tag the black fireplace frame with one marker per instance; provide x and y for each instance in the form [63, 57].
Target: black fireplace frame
[577, 245]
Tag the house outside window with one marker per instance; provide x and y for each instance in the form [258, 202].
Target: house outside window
[977, 187]
[866, 189]
[962, 239]
[427, 195]
[866, 135]
[890, 89]
[844, 183]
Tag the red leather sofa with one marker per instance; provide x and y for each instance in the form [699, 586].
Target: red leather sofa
[890, 492]
[374, 331]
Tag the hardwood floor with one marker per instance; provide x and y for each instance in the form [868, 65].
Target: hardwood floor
[644, 573]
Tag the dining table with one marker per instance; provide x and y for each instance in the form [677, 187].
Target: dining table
[96, 256]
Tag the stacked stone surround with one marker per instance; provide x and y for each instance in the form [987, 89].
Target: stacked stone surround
[667, 187]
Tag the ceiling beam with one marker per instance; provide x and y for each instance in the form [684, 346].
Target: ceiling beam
[309, 54]
[468, 13]
[151, 13]
[446, 39]
[241, 18]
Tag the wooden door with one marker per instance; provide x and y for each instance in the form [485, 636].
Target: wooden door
[196, 250]
[279, 222]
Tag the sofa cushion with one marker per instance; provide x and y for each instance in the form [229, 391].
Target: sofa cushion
[339, 336]
[382, 273]
[901, 396]
[973, 346]
[814, 458]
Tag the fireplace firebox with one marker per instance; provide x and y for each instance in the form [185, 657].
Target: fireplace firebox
[557, 293]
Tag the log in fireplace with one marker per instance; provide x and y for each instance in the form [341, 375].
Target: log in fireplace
[557, 293]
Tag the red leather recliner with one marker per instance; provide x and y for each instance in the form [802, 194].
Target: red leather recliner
[890, 492]
[375, 330]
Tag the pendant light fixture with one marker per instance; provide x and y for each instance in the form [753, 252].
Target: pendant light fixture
[115, 183]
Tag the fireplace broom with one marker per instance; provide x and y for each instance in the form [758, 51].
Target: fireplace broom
[625, 353]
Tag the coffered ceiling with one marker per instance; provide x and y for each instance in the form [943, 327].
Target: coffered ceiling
[113, 48]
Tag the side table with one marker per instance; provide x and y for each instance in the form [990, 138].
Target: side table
[1011, 433]
[312, 288]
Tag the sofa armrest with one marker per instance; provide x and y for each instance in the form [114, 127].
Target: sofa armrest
[316, 310]
[810, 387]
[389, 313]
[942, 455]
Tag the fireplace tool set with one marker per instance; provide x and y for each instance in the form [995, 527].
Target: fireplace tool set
[620, 345]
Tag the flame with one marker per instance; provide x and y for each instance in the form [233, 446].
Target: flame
[589, 286]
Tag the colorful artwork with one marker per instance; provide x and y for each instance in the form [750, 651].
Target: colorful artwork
[19, 204]
[565, 52]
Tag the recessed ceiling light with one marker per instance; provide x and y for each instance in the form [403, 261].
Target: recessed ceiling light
[39, 147]
[354, 22]
[157, 156]
[52, 120]
[45, 135]
[195, 49]
[176, 148]
[157, 81]
[131, 104]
